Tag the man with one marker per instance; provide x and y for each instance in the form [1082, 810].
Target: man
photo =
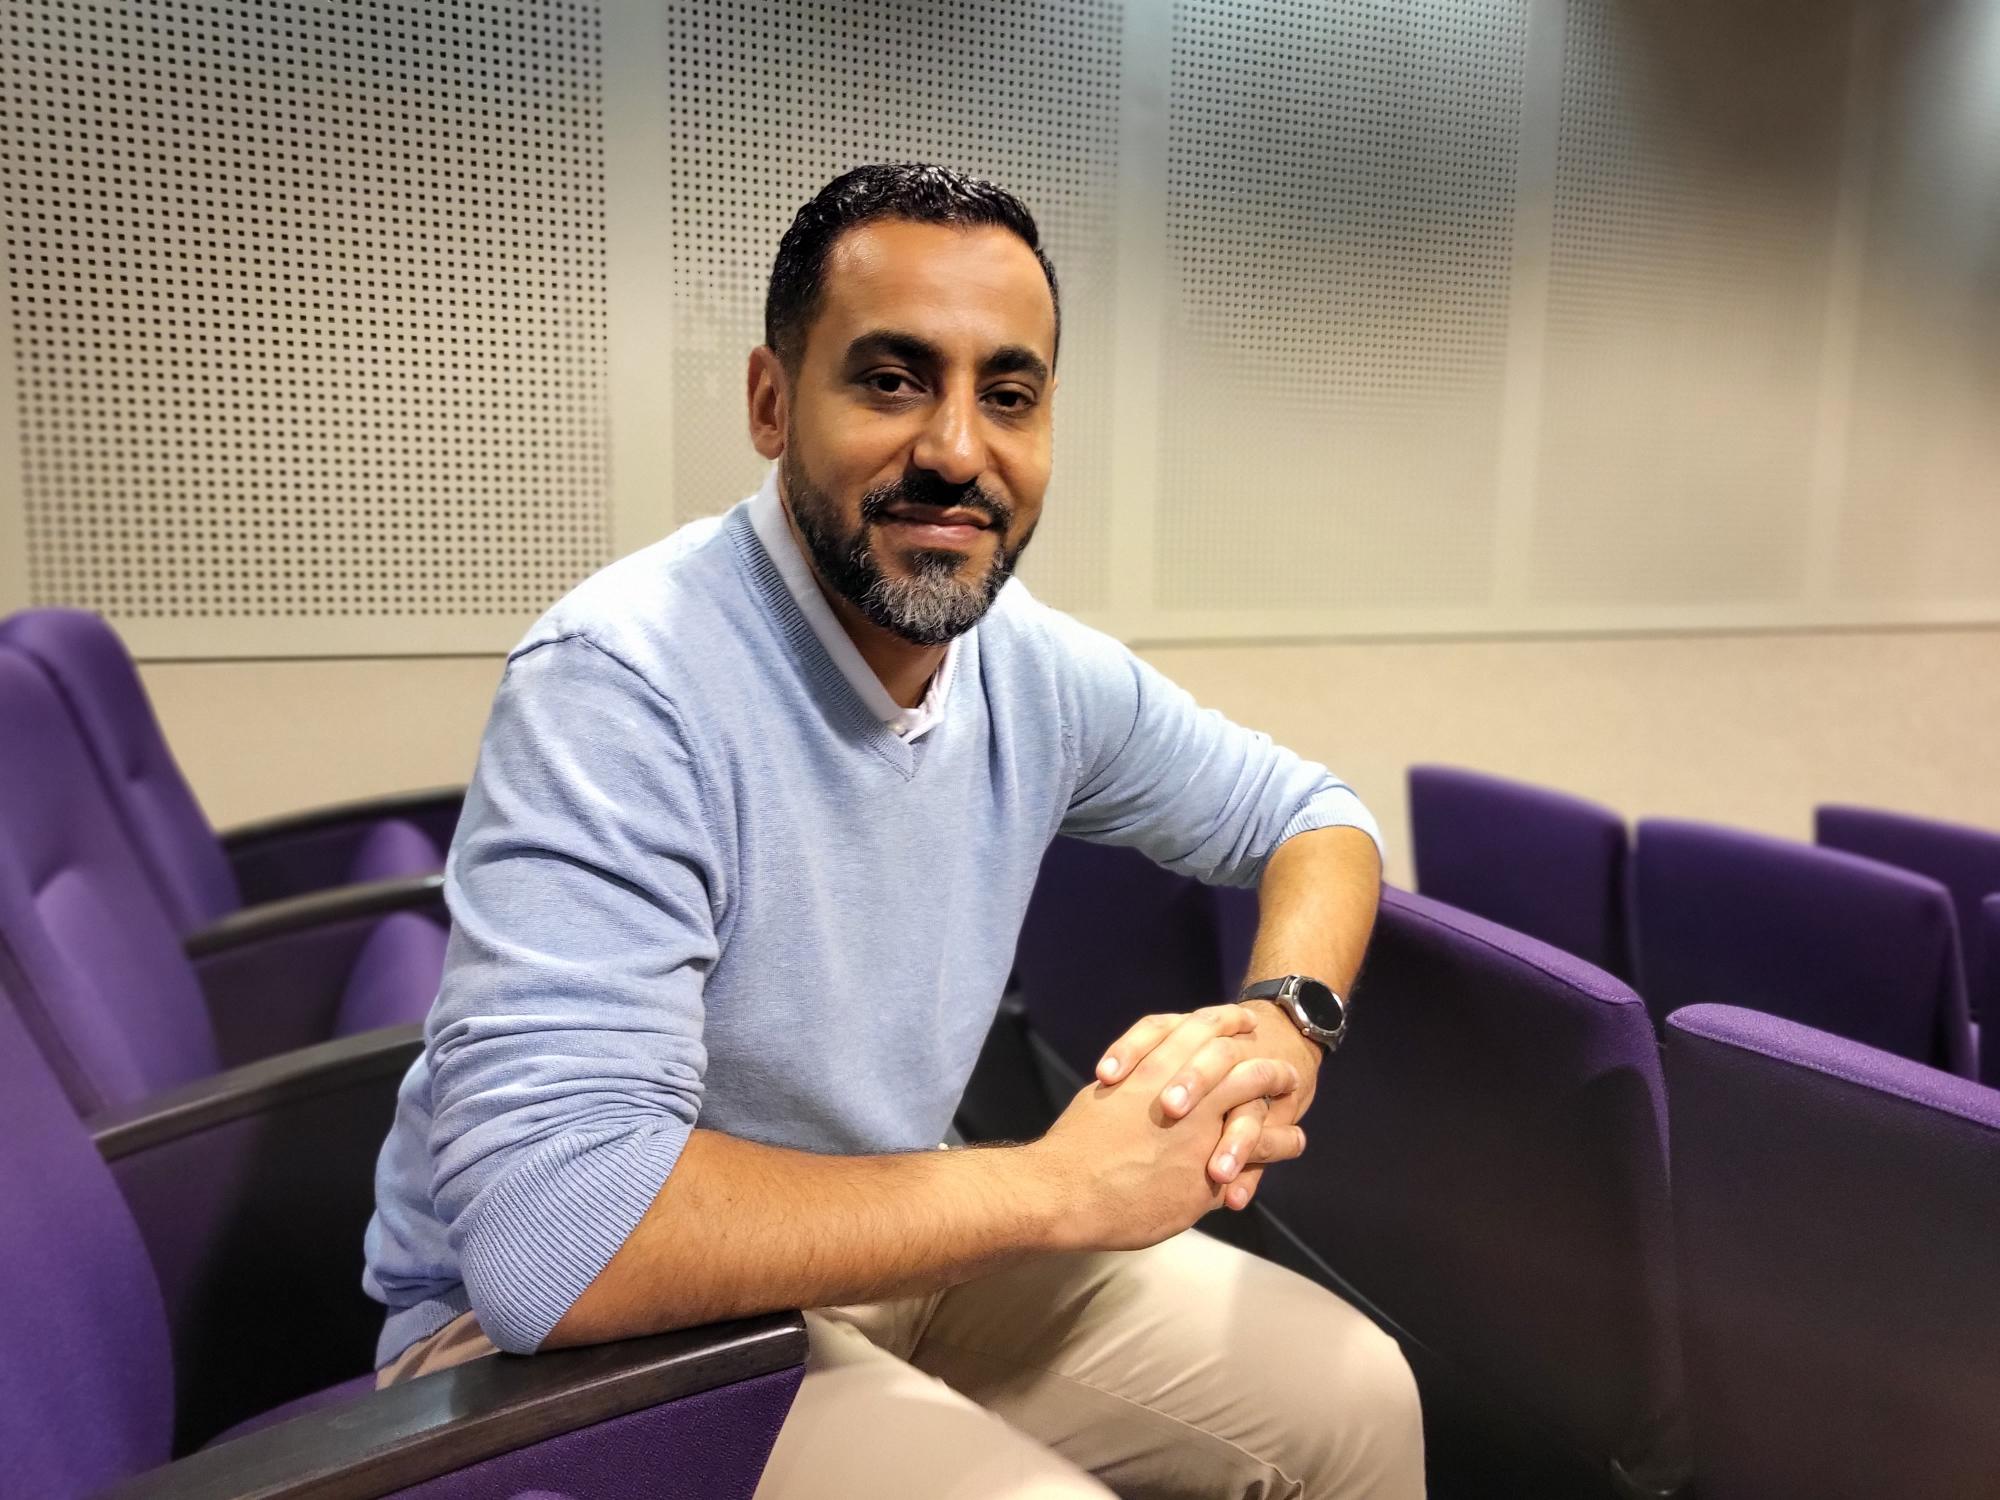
[734, 898]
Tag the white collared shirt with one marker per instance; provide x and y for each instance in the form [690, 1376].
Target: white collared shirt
[767, 519]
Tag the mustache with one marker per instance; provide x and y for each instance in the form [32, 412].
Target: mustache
[930, 490]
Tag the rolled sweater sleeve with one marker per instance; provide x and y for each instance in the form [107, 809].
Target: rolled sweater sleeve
[1181, 783]
[565, 1048]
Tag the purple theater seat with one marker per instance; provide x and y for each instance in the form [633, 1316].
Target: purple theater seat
[198, 878]
[1110, 936]
[86, 1379]
[1827, 939]
[89, 1371]
[1989, 1003]
[1489, 1174]
[1966, 861]
[392, 849]
[379, 989]
[1541, 862]
[1838, 1235]
[108, 990]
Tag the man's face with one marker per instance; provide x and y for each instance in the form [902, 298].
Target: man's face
[918, 435]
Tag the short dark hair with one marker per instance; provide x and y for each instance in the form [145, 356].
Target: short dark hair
[906, 190]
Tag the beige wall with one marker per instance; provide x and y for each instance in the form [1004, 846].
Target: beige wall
[1748, 729]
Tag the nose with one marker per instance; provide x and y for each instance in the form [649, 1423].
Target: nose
[950, 446]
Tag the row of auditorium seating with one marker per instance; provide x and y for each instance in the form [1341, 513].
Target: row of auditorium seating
[200, 1043]
[1886, 930]
[1811, 1308]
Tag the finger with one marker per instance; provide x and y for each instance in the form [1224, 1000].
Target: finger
[1241, 1133]
[1139, 1039]
[1185, 1036]
[1238, 1194]
[1277, 1143]
[1249, 1139]
[1203, 1072]
[1254, 1078]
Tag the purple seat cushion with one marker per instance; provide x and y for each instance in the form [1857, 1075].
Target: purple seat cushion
[708, 1446]
[153, 802]
[394, 848]
[86, 1386]
[105, 988]
[1541, 862]
[396, 976]
[1828, 939]
[1497, 1178]
[1966, 861]
[1838, 1234]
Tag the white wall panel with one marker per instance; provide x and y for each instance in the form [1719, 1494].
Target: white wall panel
[308, 315]
[1341, 185]
[368, 326]
[1697, 178]
[1922, 514]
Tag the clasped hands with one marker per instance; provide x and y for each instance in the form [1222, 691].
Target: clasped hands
[1249, 1051]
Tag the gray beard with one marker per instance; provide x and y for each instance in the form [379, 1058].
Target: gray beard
[929, 606]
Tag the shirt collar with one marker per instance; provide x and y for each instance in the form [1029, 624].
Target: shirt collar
[767, 519]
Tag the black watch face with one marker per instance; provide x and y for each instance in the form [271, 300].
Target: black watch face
[1321, 1004]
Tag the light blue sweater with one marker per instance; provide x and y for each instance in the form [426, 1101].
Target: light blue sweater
[695, 879]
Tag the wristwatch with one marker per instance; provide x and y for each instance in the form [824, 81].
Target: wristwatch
[1314, 1008]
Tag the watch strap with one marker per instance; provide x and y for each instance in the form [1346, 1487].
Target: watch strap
[1284, 993]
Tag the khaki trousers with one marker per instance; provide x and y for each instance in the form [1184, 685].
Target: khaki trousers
[1190, 1370]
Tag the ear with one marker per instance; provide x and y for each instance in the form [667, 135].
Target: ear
[770, 402]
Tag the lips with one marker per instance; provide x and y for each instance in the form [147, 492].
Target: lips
[937, 515]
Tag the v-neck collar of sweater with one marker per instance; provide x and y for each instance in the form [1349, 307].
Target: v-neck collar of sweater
[829, 683]
[767, 518]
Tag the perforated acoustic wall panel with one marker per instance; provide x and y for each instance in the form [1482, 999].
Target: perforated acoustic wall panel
[308, 312]
[1922, 517]
[1697, 173]
[371, 325]
[1340, 206]
[770, 102]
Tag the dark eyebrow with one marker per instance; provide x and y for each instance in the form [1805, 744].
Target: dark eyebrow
[1016, 359]
[886, 343]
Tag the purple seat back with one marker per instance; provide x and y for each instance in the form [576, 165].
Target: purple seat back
[86, 1386]
[1109, 937]
[1491, 1173]
[1814, 935]
[153, 802]
[395, 976]
[1966, 861]
[1541, 862]
[104, 986]
[392, 849]
[1838, 1235]
[1989, 1003]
